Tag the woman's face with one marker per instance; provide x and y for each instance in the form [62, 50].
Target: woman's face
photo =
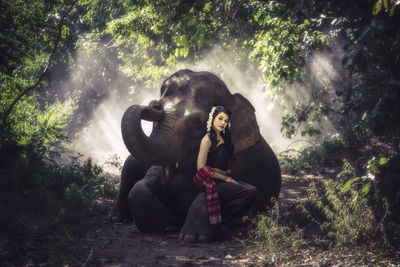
[220, 121]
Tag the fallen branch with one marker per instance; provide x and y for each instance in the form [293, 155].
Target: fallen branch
[87, 260]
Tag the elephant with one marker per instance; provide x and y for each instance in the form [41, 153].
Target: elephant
[157, 189]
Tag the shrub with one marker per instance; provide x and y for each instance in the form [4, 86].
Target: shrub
[387, 187]
[276, 240]
[292, 159]
[346, 209]
[43, 202]
[345, 218]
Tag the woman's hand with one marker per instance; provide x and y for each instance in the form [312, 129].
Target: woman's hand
[230, 180]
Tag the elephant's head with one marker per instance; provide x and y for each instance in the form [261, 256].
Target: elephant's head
[180, 117]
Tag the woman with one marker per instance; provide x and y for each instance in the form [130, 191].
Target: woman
[228, 200]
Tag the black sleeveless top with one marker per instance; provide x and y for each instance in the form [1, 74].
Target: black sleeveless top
[218, 157]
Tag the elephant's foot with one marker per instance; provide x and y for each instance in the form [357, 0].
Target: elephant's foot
[119, 216]
[192, 238]
[197, 225]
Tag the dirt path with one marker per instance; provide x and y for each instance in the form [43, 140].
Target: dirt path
[123, 245]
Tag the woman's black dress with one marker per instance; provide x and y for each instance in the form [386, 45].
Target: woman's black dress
[235, 199]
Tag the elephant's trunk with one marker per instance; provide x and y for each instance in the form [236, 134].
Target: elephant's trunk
[160, 147]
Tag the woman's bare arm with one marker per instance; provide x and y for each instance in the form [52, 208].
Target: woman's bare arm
[202, 159]
[203, 152]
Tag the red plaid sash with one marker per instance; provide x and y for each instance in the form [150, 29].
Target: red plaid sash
[203, 177]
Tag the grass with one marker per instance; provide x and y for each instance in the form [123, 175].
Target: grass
[345, 217]
[357, 210]
[274, 239]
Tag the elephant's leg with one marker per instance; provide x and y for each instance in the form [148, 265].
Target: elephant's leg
[145, 202]
[197, 225]
[132, 171]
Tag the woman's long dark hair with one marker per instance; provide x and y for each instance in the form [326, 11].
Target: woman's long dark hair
[226, 136]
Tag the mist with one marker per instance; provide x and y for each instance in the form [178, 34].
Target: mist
[101, 137]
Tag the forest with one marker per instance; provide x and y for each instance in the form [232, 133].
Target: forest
[323, 76]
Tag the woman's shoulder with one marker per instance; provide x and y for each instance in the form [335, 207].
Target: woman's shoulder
[206, 139]
[205, 143]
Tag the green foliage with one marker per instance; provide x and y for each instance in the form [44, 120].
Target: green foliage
[162, 34]
[358, 208]
[345, 215]
[94, 14]
[374, 55]
[156, 35]
[20, 36]
[386, 5]
[32, 124]
[42, 128]
[274, 239]
[281, 44]
[351, 211]
[386, 172]
[298, 119]
[326, 152]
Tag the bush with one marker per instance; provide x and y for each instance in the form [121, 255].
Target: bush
[387, 187]
[43, 202]
[273, 238]
[325, 152]
[345, 216]
[350, 211]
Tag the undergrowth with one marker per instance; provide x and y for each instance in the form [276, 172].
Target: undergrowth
[44, 202]
[359, 208]
[325, 152]
[276, 240]
[345, 216]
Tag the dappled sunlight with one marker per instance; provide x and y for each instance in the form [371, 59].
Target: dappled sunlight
[101, 138]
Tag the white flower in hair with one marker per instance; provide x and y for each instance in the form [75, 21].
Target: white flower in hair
[210, 119]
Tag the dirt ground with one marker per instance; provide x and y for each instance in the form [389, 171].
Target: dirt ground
[111, 244]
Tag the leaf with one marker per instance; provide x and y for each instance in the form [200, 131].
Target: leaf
[365, 189]
[377, 7]
[392, 10]
[346, 187]
[386, 4]
[64, 32]
[374, 169]
[142, 39]
[383, 161]
[207, 7]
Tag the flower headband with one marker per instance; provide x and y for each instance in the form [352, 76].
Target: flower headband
[210, 118]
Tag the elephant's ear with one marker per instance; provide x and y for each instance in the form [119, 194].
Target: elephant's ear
[244, 131]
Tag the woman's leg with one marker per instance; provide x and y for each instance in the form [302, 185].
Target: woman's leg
[236, 201]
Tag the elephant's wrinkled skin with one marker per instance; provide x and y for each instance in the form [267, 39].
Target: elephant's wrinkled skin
[157, 187]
